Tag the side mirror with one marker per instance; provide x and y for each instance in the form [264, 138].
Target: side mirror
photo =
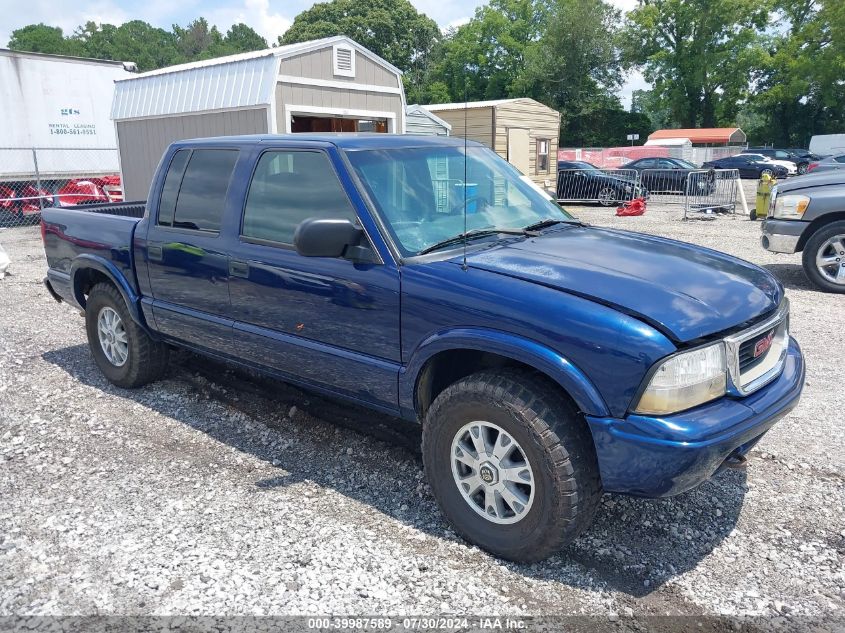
[316, 237]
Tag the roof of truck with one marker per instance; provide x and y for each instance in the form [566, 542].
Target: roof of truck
[343, 140]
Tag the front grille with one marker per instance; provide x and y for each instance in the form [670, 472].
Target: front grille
[756, 355]
[747, 358]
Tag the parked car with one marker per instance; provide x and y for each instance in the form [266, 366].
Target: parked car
[831, 163]
[546, 360]
[789, 165]
[584, 182]
[748, 167]
[781, 155]
[667, 175]
[803, 153]
[807, 215]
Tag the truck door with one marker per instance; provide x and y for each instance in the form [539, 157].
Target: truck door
[327, 322]
[188, 265]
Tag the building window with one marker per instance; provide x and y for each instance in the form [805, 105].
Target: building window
[543, 155]
[343, 61]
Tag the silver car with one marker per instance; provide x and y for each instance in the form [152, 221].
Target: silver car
[837, 161]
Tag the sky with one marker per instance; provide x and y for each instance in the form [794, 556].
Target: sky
[269, 17]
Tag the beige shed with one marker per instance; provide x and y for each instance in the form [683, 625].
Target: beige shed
[523, 131]
[328, 85]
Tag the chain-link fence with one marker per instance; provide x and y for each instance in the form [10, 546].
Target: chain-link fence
[34, 178]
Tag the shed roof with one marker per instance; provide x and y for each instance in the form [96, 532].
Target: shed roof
[242, 80]
[434, 107]
[702, 135]
[418, 109]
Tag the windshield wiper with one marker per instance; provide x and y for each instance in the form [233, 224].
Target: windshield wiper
[469, 235]
[547, 222]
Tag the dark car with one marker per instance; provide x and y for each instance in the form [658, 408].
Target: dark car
[803, 153]
[748, 167]
[801, 162]
[665, 175]
[582, 181]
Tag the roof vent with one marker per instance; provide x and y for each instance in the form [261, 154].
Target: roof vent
[343, 59]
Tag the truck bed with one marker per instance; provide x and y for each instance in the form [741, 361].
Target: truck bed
[104, 231]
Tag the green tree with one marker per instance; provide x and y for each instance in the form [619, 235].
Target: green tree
[698, 54]
[242, 38]
[392, 29]
[801, 84]
[485, 58]
[149, 47]
[575, 67]
[40, 38]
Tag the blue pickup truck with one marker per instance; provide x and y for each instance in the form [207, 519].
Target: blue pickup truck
[546, 360]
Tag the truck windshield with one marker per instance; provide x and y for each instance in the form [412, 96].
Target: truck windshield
[420, 192]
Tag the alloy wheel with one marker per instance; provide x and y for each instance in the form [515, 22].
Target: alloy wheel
[492, 472]
[112, 335]
[830, 260]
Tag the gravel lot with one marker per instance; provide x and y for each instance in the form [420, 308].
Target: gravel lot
[217, 492]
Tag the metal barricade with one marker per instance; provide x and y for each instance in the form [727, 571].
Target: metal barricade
[607, 187]
[711, 191]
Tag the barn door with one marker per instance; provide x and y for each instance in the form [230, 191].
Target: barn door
[519, 149]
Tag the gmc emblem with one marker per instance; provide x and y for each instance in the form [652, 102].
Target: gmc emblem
[763, 345]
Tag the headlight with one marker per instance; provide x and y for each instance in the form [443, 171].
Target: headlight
[686, 380]
[790, 207]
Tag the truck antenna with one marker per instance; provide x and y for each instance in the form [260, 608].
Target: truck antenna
[466, 107]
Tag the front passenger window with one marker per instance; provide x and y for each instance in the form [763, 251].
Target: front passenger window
[289, 187]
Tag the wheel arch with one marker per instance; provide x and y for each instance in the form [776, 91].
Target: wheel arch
[816, 224]
[89, 270]
[446, 357]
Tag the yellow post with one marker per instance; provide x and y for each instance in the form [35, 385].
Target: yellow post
[764, 195]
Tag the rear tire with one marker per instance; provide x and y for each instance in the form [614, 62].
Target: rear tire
[820, 248]
[123, 351]
[802, 168]
[550, 444]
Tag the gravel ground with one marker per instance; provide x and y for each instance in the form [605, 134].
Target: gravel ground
[218, 492]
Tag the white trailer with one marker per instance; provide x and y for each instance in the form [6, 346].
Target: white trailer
[60, 107]
[827, 144]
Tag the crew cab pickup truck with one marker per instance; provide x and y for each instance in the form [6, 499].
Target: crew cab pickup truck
[546, 360]
[807, 215]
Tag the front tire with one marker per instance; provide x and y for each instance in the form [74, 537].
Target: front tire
[511, 464]
[123, 351]
[824, 257]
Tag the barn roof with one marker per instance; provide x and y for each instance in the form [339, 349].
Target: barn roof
[243, 80]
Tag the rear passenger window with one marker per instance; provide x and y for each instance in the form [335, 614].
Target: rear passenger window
[287, 188]
[202, 195]
[170, 190]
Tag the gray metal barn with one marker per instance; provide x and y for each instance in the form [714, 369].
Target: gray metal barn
[328, 85]
[421, 121]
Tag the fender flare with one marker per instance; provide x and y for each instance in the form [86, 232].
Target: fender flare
[87, 261]
[536, 355]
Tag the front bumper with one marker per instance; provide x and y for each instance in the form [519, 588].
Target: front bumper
[781, 236]
[664, 456]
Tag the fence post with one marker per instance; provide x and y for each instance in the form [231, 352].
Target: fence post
[37, 178]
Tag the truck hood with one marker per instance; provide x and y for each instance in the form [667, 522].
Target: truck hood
[685, 291]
